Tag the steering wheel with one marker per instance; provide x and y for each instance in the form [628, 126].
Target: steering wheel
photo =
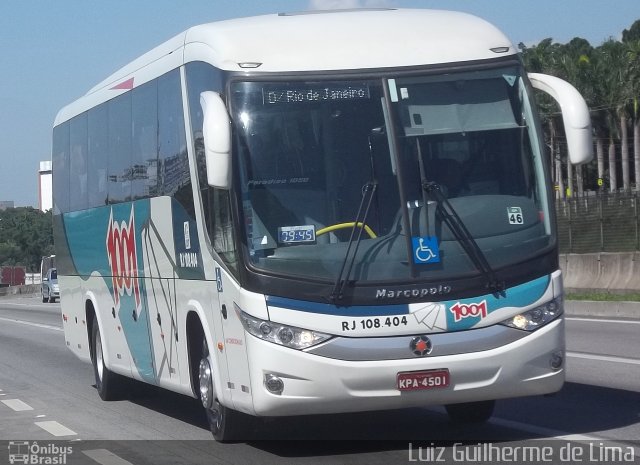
[351, 224]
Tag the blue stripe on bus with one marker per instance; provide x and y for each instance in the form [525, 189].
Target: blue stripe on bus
[329, 309]
[518, 296]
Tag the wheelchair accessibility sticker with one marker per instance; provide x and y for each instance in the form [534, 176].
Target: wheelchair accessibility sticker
[425, 249]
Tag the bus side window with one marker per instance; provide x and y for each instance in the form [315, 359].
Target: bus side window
[60, 156]
[78, 181]
[97, 156]
[119, 123]
[216, 203]
[174, 178]
[223, 241]
[144, 157]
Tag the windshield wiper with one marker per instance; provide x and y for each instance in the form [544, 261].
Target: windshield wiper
[464, 237]
[368, 192]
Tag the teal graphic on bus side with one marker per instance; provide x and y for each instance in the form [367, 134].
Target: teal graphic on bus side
[108, 241]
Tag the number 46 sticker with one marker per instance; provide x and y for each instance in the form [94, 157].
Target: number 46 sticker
[515, 215]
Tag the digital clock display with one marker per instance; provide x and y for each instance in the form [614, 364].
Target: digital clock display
[297, 234]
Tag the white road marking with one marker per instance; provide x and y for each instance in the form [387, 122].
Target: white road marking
[18, 304]
[603, 320]
[542, 431]
[105, 457]
[30, 323]
[548, 433]
[55, 428]
[17, 405]
[604, 358]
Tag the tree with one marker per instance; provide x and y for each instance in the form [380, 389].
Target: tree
[26, 236]
[610, 76]
[633, 33]
[633, 77]
[542, 58]
[574, 64]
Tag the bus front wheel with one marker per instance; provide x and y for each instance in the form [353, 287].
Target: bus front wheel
[225, 424]
[471, 412]
[108, 383]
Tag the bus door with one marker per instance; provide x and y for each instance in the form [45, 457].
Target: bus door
[168, 285]
[233, 342]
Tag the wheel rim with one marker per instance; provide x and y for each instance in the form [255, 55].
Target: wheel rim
[99, 360]
[216, 416]
[205, 383]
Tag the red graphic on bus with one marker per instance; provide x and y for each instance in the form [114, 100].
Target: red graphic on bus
[461, 311]
[123, 259]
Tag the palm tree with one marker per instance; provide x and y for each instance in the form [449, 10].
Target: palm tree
[609, 78]
[573, 64]
[542, 58]
[633, 56]
[611, 72]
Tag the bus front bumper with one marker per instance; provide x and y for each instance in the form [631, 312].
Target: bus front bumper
[315, 385]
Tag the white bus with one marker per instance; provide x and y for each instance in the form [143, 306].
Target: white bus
[314, 213]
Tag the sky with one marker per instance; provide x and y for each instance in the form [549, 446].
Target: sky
[55, 51]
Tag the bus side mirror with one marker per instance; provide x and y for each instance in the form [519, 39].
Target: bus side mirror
[575, 115]
[216, 131]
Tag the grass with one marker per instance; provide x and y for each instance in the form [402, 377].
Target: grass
[603, 296]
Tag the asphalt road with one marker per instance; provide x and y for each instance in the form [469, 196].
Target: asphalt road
[47, 396]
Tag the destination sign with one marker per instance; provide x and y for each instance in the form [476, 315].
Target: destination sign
[318, 93]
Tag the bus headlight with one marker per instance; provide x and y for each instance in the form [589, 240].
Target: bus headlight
[536, 317]
[284, 335]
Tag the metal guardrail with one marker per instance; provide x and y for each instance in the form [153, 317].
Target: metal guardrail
[16, 290]
[599, 223]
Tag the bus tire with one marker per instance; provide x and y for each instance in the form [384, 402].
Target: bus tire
[108, 384]
[471, 412]
[225, 424]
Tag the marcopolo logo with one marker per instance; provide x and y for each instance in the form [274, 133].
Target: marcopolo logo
[461, 310]
[123, 259]
[412, 293]
[34, 453]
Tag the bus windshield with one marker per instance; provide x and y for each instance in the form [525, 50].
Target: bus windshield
[310, 152]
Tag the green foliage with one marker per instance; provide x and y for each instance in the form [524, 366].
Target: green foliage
[608, 77]
[603, 296]
[632, 34]
[26, 235]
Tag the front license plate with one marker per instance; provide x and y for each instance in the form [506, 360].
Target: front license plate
[419, 380]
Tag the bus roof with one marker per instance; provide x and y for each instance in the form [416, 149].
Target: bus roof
[317, 41]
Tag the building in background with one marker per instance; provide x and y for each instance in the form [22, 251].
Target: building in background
[45, 192]
[4, 204]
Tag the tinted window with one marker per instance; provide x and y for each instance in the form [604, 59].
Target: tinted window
[119, 166]
[172, 149]
[60, 158]
[131, 147]
[201, 77]
[144, 167]
[98, 155]
[78, 163]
